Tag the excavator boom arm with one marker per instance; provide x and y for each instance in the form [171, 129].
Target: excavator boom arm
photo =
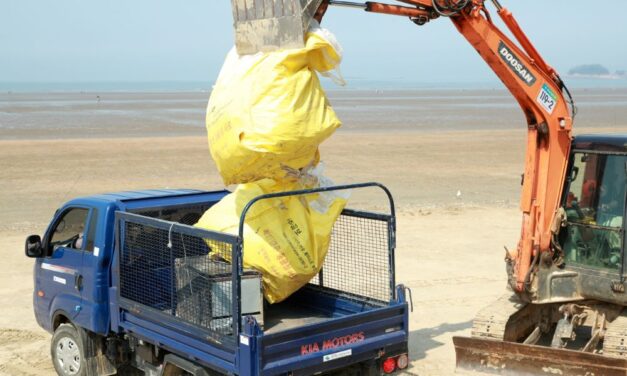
[538, 90]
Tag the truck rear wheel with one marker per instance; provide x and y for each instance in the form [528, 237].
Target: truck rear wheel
[68, 351]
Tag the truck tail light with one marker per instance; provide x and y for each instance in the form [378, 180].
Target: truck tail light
[389, 365]
[402, 361]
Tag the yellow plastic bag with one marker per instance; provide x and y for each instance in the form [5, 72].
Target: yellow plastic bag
[268, 114]
[286, 239]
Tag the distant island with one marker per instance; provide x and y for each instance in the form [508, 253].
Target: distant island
[596, 71]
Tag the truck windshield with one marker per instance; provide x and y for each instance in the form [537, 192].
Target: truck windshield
[595, 206]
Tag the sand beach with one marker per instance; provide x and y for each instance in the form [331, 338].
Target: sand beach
[452, 159]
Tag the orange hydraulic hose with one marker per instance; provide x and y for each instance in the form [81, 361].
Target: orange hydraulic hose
[420, 3]
[320, 12]
[395, 10]
[524, 41]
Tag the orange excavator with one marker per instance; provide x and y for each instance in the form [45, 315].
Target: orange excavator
[565, 311]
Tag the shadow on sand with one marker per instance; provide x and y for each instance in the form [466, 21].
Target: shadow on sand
[422, 340]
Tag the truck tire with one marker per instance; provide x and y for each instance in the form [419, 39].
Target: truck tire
[68, 351]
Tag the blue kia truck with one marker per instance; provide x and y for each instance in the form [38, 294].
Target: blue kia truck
[126, 285]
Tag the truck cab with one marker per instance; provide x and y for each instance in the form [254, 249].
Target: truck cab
[73, 276]
[123, 281]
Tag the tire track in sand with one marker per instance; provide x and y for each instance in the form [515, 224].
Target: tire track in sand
[24, 353]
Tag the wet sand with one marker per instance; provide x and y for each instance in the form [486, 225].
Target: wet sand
[426, 146]
[104, 114]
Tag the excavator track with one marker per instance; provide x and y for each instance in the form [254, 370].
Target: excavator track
[615, 339]
[492, 321]
[499, 328]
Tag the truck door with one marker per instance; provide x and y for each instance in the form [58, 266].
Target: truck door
[61, 274]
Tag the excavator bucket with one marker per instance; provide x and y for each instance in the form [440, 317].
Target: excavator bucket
[476, 355]
[268, 25]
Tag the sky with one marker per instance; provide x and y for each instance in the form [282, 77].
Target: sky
[168, 40]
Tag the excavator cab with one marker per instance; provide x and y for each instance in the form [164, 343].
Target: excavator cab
[595, 210]
[593, 233]
[588, 259]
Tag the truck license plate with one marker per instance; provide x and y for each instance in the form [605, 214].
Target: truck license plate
[337, 355]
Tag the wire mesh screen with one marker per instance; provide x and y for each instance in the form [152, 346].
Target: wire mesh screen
[170, 268]
[359, 257]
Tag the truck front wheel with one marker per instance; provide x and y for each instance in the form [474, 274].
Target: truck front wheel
[68, 352]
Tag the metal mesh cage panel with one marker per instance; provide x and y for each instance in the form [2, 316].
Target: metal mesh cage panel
[174, 272]
[359, 257]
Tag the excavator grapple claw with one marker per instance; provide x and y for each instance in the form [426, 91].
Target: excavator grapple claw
[268, 25]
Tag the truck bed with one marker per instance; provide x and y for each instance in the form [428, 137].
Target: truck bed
[307, 306]
[353, 298]
[290, 314]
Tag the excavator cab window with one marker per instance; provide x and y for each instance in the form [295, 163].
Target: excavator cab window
[595, 209]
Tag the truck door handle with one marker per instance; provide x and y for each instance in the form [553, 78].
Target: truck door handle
[78, 282]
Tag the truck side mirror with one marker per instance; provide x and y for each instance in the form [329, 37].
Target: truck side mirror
[33, 246]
